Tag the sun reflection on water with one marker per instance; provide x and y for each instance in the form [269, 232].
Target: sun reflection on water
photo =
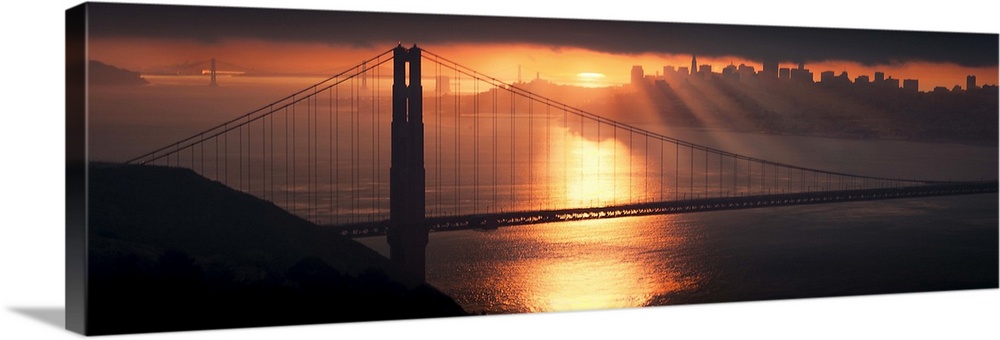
[600, 264]
[590, 172]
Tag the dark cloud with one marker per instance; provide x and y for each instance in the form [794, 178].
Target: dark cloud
[216, 24]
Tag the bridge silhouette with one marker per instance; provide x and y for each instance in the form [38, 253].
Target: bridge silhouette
[213, 68]
[370, 152]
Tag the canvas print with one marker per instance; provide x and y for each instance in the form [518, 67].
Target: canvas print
[242, 167]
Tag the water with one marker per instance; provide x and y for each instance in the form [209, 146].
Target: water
[787, 252]
[925, 244]
[772, 253]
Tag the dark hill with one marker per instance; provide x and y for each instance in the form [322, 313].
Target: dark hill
[171, 250]
[99, 73]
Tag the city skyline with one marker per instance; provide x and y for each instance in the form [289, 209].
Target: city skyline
[801, 72]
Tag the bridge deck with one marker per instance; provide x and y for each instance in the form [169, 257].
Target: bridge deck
[502, 219]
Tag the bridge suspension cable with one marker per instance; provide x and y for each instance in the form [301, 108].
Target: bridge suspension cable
[638, 158]
[292, 151]
[492, 149]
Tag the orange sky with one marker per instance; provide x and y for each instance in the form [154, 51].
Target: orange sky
[559, 65]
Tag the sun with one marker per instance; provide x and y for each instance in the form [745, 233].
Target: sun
[590, 76]
[590, 79]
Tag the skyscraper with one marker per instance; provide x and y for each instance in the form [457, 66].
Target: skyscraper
[771, 68]
[668, 70]
[637, 75]
[826, 77]
[694, 64]
[970, 83]
[802, 74]
[784, 73]
[705, 70]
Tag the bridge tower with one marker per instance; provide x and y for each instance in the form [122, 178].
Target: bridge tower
[211, 73]
[407, 235]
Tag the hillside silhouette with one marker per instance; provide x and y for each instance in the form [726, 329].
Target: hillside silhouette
[103, 74]
[171, 250]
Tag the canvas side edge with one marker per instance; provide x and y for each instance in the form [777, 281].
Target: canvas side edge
[76, 169]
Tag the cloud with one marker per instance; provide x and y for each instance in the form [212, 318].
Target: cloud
[211, 25]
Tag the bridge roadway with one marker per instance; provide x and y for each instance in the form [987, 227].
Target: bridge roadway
[502, 219]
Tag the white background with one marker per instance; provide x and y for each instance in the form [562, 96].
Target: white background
[32, 216]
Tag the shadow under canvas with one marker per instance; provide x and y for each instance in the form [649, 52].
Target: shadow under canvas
[53, 316]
